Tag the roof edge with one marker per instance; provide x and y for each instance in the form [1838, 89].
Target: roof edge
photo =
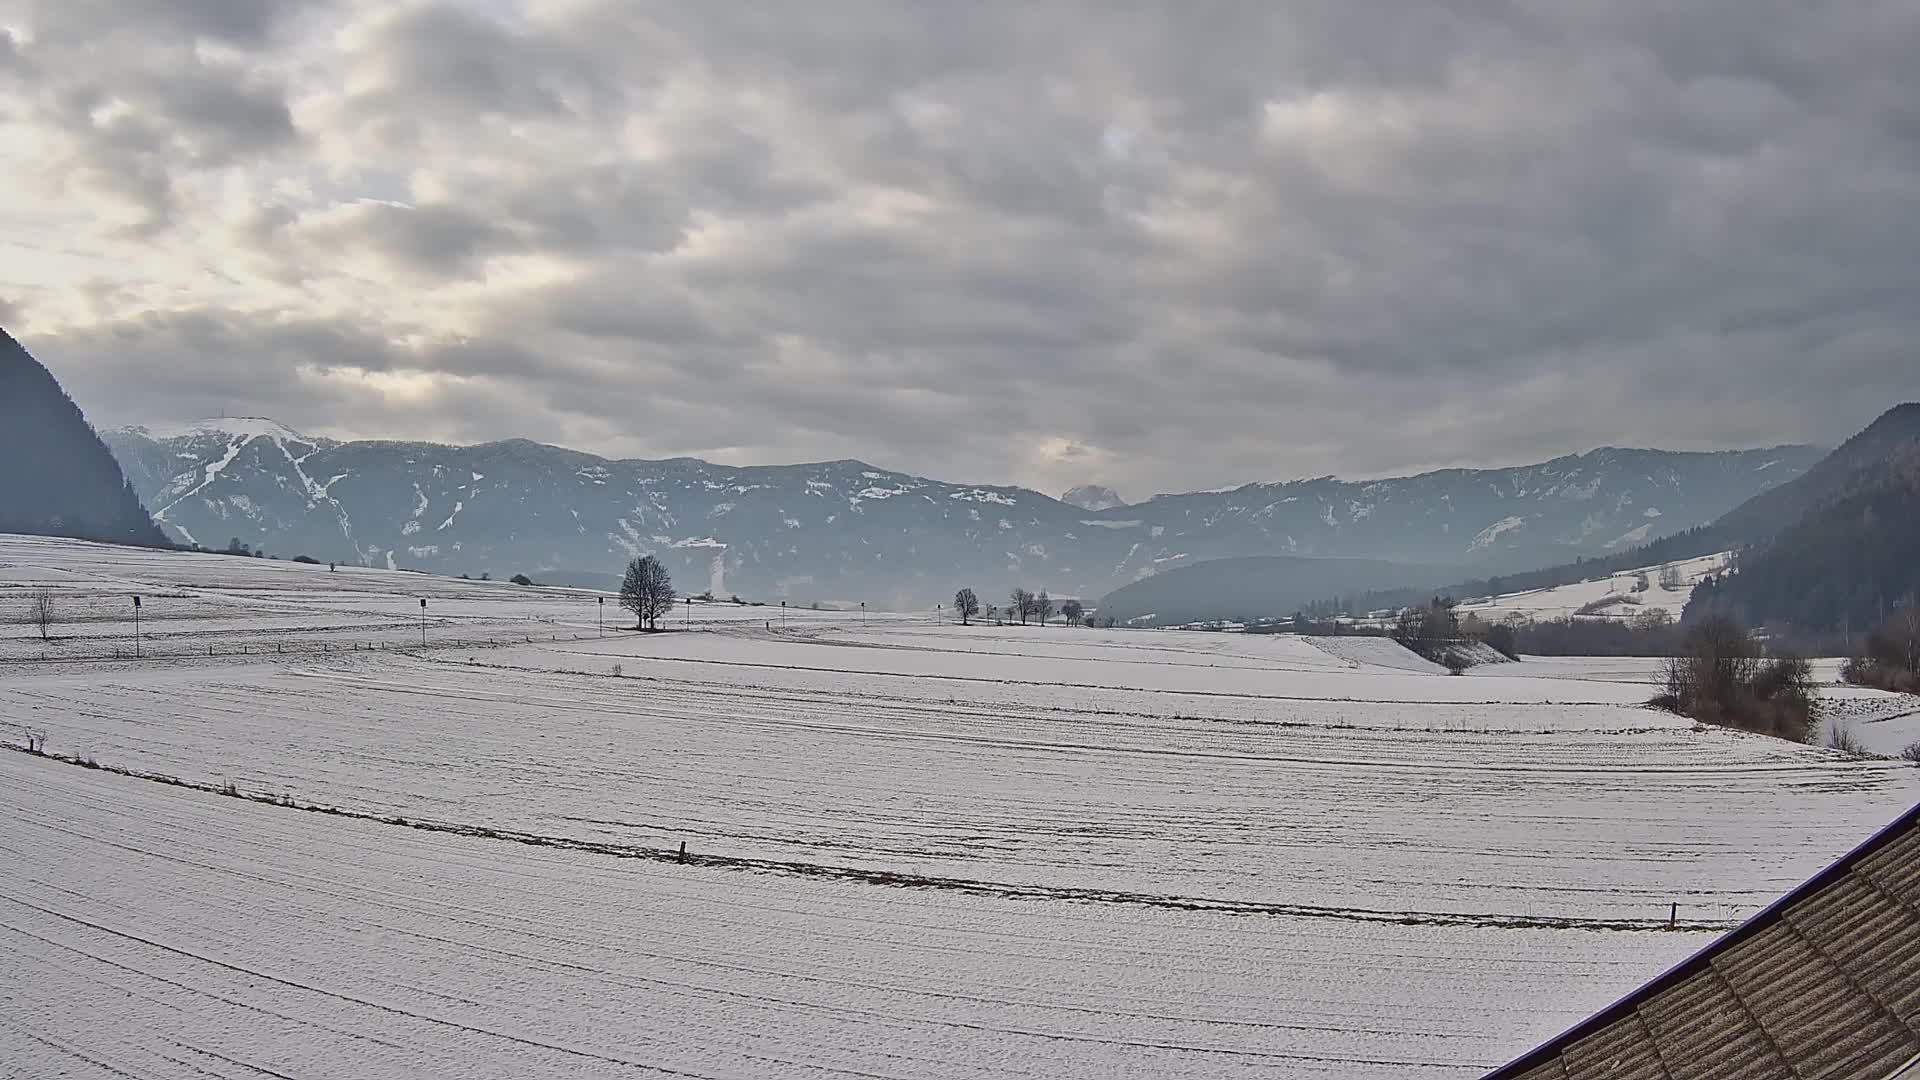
[1766, 917]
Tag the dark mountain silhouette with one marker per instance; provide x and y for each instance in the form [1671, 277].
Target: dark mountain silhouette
[1764, 516]
[1852, 553]
[60, 479]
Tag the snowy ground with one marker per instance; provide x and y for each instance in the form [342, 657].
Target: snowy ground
[917, 849]
[1565, 601]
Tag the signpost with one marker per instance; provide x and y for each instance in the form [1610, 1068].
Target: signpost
[136, 628]
[603, 616]
[423, 622]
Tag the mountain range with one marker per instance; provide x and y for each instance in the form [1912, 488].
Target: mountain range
[841, 531]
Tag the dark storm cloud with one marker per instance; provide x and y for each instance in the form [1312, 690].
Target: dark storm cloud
[1146, 244]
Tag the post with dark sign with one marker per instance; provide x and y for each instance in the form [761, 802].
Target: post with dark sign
[863, 613]
[423, 622]
[136, 628]
[603, 616]
[689, 612]
[783, 614]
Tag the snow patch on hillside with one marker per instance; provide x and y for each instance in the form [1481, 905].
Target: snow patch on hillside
[1564, 601]
[1485, 537]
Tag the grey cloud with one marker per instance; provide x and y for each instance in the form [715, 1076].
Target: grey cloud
[1194, 245]
[132, 102]
[236, 22]
[424, 63]
[434, 240]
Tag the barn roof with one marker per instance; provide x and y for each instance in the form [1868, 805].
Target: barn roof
[1823, 983]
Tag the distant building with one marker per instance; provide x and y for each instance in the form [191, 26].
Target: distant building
[1824, 983]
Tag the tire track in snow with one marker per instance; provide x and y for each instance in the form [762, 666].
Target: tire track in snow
[901, 879]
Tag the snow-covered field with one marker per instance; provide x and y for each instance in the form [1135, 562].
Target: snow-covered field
[915, 849]
[1616, 592]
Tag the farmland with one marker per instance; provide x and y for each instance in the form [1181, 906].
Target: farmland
[318, 848]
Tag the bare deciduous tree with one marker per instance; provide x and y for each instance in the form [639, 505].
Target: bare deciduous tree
[1073, 611]
[1020, 604]
[647, 591]
[967, 604]
[40, 613]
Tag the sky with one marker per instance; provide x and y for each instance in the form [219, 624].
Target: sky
[1159, 246]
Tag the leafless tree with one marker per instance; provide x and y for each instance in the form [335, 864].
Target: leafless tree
[1043, 607]
[40, 613]
[967, 604]
[647, 591]
[1020, 603]
[1073, 611]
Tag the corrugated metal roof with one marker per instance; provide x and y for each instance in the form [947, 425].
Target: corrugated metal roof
[1824, 983]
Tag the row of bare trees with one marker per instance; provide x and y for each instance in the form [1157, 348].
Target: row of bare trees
[1021, 604]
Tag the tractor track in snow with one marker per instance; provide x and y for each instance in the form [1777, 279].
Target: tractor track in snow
[901, 879]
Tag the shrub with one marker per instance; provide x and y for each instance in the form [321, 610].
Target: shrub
[1871, 672]
[1912, 753]
[1720, 678]
[521, 579]
[307, 560]
[1841, 737]
[1892, 657]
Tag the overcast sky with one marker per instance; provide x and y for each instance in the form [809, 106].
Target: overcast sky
[1158, 246]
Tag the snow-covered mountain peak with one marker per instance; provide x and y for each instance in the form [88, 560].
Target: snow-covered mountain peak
[243, 427]
[1092, 497]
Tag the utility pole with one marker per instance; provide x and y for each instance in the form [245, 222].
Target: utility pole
[136, 627]
[423, 622]
[603, 616]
